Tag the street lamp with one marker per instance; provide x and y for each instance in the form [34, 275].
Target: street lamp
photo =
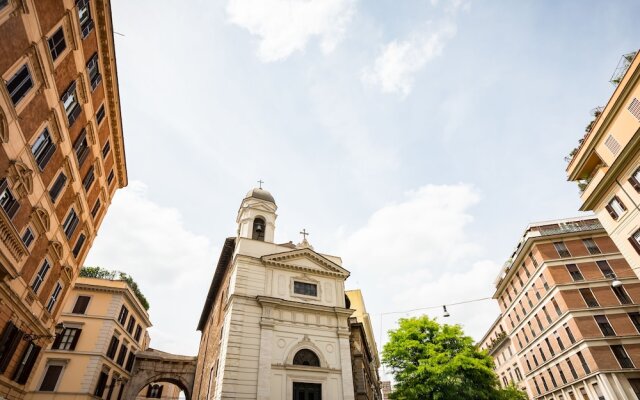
[445, 312]
[30, 337]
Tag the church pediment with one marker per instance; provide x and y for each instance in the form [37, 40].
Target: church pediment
[305, 260]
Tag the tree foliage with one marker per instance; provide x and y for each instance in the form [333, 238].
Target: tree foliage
[102, 273]
[430, 361]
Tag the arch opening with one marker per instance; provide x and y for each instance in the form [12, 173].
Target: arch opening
[307, 358]
[259, 226]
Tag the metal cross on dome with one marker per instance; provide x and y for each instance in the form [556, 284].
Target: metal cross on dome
[260, 182]
[304, 234]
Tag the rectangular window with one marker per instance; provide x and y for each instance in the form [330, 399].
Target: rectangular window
[569, 334]
[131, 324]
[635, 319]
[616, 208]
[102, 382]
[130, 360]
[539, 322]
[27, 237]
[561, 373]
[544, 383]
[70, 223]
[84, 16]
[88, 179]
[11, 337]
[558, 340]
[105, 149]
[42, 149]
[551, 351]
[19, 84]
[93, 70]
[51, 377]
[122, 317]
[57, 186]
[96, 207]
[589, 298]
[605, 269]
[537, 387]
[100, 115]
[553, 378]
[8, 203]
[110, 178]
[544, 358]
[635, 240]
[585, 366]
[42, 273]
[138, 333]
[307, 289]
[575, 273]
[562, 250]
[54, 297]
[113, 347]
[27, 361]
[67, 340]
[591, 246]
[57, 44]
[621, 294]
[122, 354]
[604, 325]
[70, 101]
[634, 180]
[544, 282]
[546, 314]
[82, 302]
[556, 306]
[621, 356]
[78, 247]
[574, 374]
[533, 260]
[81, 147]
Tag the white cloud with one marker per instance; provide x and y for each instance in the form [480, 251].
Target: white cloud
[285, 26]
[172, 265]
[427, 227]
[399, 61]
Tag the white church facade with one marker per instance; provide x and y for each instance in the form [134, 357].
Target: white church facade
[276, 320]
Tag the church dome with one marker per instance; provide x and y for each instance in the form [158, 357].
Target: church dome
[261, 194]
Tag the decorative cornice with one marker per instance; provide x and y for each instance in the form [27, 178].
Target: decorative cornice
[55, 127]
[10, 238]
[281, 260]
[282, 303]
[40, 218]
[22, 177]
[55, 250]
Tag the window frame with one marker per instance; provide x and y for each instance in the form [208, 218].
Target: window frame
[55, 195]
[43, 155]
[301, 284]
[616, 208]
[8, 201]
[93, 71]
[41, 275]
[59, 54]
[562, 249]
[71, 222]
[75, 304]
[28, 229]
[594, 247]
[73, 110]
[54, 297]
[574, 272]
[50, 363]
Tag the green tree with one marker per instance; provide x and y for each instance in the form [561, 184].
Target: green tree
[102, 273]
[430, 361]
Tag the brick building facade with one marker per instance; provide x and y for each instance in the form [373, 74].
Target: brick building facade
[61, 160]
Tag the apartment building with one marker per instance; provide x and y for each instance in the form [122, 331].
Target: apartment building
[61, 160]
[606, 164]
[104, 326]
[569, 326]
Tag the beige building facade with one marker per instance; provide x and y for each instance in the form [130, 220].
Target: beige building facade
[569, 326]
[275, 323]
[61, 161]
[104, 326]
[606, 164]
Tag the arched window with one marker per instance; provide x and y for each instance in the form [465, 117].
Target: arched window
[306, 357]
[258, 229]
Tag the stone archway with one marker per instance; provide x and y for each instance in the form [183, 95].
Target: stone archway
[153, 366]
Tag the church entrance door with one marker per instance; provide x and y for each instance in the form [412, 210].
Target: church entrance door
[307, 391]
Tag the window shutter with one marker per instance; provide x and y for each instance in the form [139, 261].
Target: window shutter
[621, 203]
[149, 391]
[51, 148]
[611, 211]
[56, 343]
[635, 243]
[24, 376]
[10, 340]
[81, 305]
[634, 182]
[75, 339]
[160, 391]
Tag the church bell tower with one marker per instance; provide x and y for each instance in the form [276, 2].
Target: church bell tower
[257, 216]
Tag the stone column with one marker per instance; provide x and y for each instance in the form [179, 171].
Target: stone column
[345, 365]
[264, 360]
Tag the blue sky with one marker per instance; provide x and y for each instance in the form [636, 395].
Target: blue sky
[416, 139]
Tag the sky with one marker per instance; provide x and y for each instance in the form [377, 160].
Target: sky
[416, 139]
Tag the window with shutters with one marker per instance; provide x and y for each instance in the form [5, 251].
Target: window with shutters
[9, 341]
[7, 201]
[591, 246]
[122, 317]
[113, 347]
[57, 186]
[40, 276]
[102, 383]
[70, 223]
[616, 208]
[53, 299]
[562, 250]
[27, 237]
[130, 360]
[82, 302]
[621, 294]
[81, 147]
[635, 240]
[57, 44]
[604, 325]
[122, 354]
[51, 378]
[575, 273]
[78, 246]
[43, 148]
[634, 180]
[93, 70]
[70, 102]
[67, 340]
[613, 145]
[622, 356]
[88, 179]
[20, 84]
[138, 333]
[27, 361]
[634, 108]
[589, 298]
[131, 324]
[84, 17]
